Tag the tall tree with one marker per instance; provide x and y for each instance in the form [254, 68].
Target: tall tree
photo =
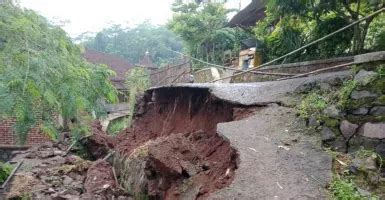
[133, 43]
[307, 20]
[202, 27]
[42, 71]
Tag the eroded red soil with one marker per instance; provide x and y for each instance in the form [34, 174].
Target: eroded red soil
[185, 157]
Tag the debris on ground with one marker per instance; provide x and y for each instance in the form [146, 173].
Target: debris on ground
[49, 173]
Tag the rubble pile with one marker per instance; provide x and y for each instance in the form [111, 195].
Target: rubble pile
[48, 172]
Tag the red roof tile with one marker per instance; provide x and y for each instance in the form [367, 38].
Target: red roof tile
[117, 64]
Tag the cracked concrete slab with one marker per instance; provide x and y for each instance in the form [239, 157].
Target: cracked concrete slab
[261, 93]
[277, 159]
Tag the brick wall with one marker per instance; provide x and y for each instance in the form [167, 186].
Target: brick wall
[9, 138]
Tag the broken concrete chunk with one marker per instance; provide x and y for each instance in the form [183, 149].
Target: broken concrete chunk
[327, 134]
[365, 77]
[377, 111]
[46, 154]
[348, 129]
[362, 94]
[373, 130]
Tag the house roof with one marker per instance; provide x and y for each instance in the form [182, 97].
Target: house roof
[249, 16]
[117, 64]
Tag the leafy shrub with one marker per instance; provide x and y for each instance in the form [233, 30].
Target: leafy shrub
[5, 170]
[50, 131]
[312, 104]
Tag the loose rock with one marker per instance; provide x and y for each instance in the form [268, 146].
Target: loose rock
[377, 111]
[348, 129]
[362, 94]
[373, 130]
[332, 111]
[365, 77]
[360, 111]
[313, 122]
[327, 134]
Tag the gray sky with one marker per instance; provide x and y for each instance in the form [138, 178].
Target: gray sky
[93, 15]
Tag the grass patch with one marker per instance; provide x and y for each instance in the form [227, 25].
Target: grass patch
[381, 71]
[344, 190]
[117, 125]
[345, 91]
[312, 104]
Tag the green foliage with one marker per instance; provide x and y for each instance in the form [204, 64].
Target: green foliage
[301, 22]
[50, 131]
[116, 126]
[137, 81]
[201, 26]
[376, 34]
[381, 71]
[312, 104]
[41, 70]
[132, 43]
[345, 91]
[284, 38]
[344, 190]
[5, 171]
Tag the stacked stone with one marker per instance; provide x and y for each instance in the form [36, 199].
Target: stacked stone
[362, 122]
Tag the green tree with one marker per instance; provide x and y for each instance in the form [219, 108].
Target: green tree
[132, 43]
[202, 27]
[308, 20]
[43, 73]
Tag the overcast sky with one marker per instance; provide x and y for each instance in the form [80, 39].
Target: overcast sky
[93, 15]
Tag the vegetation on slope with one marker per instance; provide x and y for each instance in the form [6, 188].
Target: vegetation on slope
[42, 73]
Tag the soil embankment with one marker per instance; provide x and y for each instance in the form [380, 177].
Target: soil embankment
[173, 150]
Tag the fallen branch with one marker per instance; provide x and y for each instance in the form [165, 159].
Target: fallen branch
[116, 180]
[70, 147]
[317, 71]
[109, 155]
[11, 175]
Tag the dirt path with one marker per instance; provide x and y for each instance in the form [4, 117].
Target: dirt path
[268, 168]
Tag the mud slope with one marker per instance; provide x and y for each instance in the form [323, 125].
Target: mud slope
[173, 150]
